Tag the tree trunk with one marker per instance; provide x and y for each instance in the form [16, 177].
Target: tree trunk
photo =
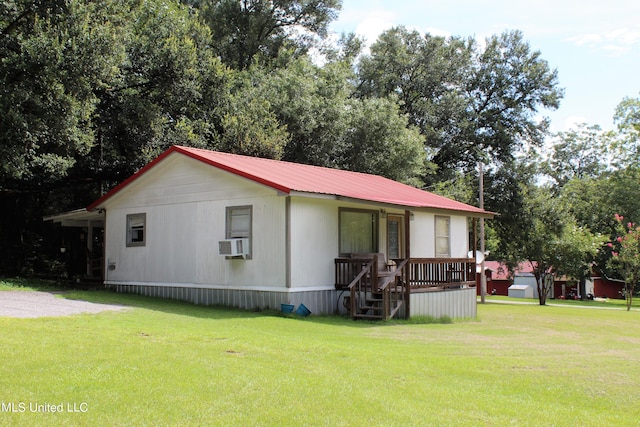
[544, 282]
[540, 283]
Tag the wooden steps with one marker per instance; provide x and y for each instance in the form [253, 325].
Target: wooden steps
[373, 308]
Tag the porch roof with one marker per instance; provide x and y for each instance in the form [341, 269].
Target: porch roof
[76, 218]
[294, 178]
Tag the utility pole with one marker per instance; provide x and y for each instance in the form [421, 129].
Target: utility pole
[483, 278]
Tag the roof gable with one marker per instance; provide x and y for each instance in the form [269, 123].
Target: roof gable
[289, 177]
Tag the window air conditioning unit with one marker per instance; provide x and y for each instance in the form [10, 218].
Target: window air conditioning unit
[233, 247]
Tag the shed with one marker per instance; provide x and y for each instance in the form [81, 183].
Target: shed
[520, 291]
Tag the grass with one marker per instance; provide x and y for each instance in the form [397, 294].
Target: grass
[22, 284]
[169, 363]
[598, 302]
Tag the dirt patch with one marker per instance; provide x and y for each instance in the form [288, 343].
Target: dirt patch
[30, 304]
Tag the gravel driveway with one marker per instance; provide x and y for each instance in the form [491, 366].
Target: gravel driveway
[45, 304]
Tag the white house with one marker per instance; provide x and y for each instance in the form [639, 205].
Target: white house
[218, 228]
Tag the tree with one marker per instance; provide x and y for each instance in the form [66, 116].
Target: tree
[467, 102]
[170, 89]
[539, 229]
[325, 126]
[578, 154]
[427, 75]
[508, 85]
[250, 127]
[54, 54]
[625, 251]
[380, 141]
[90, 92]
[245, 29]
[626, 149]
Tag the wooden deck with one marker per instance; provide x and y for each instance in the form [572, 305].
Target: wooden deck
[375, 294]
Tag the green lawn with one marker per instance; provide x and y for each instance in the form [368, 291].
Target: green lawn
[598, 302]
[168, 363]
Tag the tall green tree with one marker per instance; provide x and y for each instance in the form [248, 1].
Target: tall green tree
[245, 29]
[54, 55]
[468, 102]
[536, 227]
[328, 127]
[250, 126]
[549, 238]
[578, 154]
[170, 89]
[380, 141]
[90, 92]
[427, 74]
[626, 148]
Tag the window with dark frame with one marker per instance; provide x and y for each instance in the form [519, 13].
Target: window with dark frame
[358, 231]
[136, 229]
[395, 238]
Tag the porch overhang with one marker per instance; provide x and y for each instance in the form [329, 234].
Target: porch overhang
[77, 218]
[399, 205]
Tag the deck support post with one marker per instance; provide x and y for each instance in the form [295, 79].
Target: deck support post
[407, 254]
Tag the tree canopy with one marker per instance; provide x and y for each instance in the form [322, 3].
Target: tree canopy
[91, 91]
[470, 103]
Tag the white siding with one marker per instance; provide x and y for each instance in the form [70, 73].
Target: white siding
[314, 242]
[185, 202]
[423, 235]
[314, 238]
[459, 237]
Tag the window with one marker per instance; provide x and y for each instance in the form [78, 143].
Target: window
[238, 224]
[442, 236]
[136, 229]
[358, 231]
[395, 237]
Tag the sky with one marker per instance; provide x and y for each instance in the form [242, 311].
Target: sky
[594, 45]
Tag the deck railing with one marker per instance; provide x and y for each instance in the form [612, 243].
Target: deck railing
[441, 273]
[424, 273]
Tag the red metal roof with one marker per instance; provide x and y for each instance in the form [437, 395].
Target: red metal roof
[294, 177]
[502, 272]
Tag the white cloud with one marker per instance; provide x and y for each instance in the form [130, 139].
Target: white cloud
[616, 42]
[372, 26]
